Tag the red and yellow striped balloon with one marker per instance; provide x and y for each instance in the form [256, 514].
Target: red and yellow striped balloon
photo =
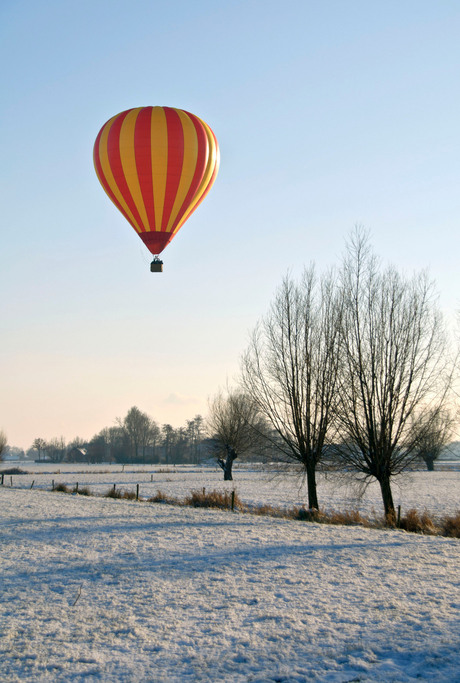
[156, 164]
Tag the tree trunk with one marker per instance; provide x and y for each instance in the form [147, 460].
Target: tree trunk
[430, 464]
[387, 498]
[228, 471]
[311, 485]
[227, 464]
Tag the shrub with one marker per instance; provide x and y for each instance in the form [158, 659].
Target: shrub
[347, 518]
[450, 526]
[84, 491]
[161, 497]
[213, 499]
[128, 495]
[113, 493]
[62, 488]
[308, 515]
[421, 524]
[269, 511]
[13, 470]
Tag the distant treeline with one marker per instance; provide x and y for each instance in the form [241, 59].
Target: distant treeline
[136, 438]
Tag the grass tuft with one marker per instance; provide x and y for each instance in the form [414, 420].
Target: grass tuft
[62, 488]
[128, 495]
[450, 526]
[161, 497]
[119, 494]
[113, 493]
[212, 499]
[83, 491]
[308, 514]
[269, 511]
[347, 518]
[13, 470]
[390, 520]
[418, 523]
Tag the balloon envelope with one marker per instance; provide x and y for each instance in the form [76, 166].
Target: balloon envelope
[156, 164]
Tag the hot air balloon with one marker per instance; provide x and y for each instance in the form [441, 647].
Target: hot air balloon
[156, 164]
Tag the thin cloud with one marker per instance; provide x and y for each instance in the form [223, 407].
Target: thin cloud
[179, 400]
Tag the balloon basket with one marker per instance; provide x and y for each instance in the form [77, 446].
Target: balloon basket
[156, 266]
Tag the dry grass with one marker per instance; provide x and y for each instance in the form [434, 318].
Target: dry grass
[119, 494]
[390, 520]
[113, 493]
[268, 511]
[418, 523]
[83, 491]
[213, 499]
[307, 514]
[412, 521]
[347, 518]
[450, 526]
[62, 488]
[13, 470]
[161, 497]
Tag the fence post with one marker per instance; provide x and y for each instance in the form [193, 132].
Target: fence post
[3, 476]
[52, 484]
[398, 521]
[32, 484]
[137, 491]
[233, 500]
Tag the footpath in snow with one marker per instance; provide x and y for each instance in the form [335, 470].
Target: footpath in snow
[95, 589]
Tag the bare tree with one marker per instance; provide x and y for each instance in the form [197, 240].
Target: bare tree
[139, 429]
[194, 436]
[153, 438]
[395, 364]
[235, 428]
[291, 368]
[432, 432]
[40, 446]
[3, 443]
[113, 442]
[168, 434]
[55, 449]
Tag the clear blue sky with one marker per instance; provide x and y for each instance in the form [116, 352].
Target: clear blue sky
[328, 113]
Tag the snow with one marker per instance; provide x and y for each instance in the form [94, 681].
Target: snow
[437, 492]
[94, 589]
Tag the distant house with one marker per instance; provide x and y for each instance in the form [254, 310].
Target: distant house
[76, 455]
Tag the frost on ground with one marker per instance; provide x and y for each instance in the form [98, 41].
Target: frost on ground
[436, 492]
[96, 589]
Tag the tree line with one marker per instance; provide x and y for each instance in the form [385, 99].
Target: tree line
[136, 438]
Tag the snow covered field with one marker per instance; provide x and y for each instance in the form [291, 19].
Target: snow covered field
[94, 589]
[438, 492]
